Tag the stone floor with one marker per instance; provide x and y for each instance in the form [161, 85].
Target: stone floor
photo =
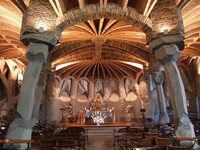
[101, 142]
[97, 142]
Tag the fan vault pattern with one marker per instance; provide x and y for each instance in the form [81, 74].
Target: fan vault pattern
[100, 47]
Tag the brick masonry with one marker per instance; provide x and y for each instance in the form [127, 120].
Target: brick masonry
[40, 14]
[111, 11]
[166, 15]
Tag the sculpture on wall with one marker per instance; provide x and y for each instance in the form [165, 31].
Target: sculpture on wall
[98, 102]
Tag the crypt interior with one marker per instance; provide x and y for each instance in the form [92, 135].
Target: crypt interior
[99, 64]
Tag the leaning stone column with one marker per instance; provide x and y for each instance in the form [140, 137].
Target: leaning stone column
[167, 55]
[196, 65]
[159, 78]
[40, 33]
[39, 92]
[21, 127]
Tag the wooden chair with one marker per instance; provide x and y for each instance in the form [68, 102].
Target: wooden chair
[132, 141]
[146, 143]
[175, 148]
[151, 135]
[58, 136]
[167, 131]
[78, 138]
[48, 144]
[118, 135]
[66, 144]
[150, 148]
[163, 142]
[37, 137]
[78, 130]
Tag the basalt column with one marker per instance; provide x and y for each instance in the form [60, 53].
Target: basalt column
[168, 55]
[40, 34]
[39, 90]
[159, 78]
[166, 40]
[21, 127]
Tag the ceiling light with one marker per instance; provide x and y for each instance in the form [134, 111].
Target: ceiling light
[165, 31]
[41, 29]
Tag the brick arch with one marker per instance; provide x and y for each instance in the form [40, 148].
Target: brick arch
[111, 11]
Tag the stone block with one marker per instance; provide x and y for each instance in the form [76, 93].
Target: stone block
[167, 53]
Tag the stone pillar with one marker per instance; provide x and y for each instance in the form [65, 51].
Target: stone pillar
[91, 91]
[159, 78]
[196, 64]
[144, 93]
[122, 91]
[167, 55]
[122, 94]
[106, 91]
[21, 127]
[39, 91]
[73, 93]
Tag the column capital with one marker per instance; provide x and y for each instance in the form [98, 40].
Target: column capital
[40, 27]
[37, 51]
[167, 53]
[177, 39]
[44, 38]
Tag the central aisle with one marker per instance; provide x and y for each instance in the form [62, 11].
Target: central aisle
[101, 142]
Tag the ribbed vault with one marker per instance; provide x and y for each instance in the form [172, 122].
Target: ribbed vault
[99, 70]
[99, 42]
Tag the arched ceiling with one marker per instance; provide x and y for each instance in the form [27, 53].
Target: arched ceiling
[105, 43]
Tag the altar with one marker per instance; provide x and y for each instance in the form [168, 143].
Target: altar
[99, 112]
[107, 115]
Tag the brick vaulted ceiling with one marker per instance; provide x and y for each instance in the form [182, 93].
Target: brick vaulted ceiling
[102, 48]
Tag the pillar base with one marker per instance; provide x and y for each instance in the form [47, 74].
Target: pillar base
[16, 129]
[185, 129]
[164, 118]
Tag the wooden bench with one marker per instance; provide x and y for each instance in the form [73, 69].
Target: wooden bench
[4, 141]
[179, 139]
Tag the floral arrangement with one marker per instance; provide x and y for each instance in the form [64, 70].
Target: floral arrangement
[98, 117]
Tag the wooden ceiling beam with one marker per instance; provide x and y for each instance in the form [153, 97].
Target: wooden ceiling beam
[61, 7]
[54, 7]
[147, 7]
[89, 68]
[81, 4]
[20, 4]
[114, 72]
[151, 7]
[91, 22]
[101, 3]
[124, 4]
[108, 70]
[109, 24]
[104, 75]
[105, 2]
[100, 25]
[94, 70]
